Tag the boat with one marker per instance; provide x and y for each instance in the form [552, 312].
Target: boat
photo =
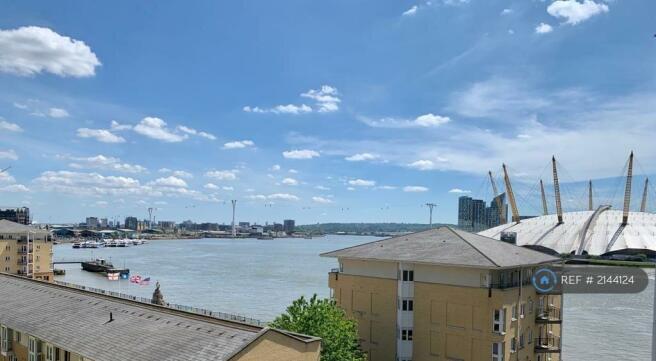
[77, 245]
[264, 237]
[99, 265]
[122, 243]
[110, 243]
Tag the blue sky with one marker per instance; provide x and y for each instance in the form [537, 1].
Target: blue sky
[317, 111]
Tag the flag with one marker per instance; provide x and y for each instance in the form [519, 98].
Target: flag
[145, 281]
[135, 279]
[112, 276]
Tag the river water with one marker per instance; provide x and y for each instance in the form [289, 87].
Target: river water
[259, 278]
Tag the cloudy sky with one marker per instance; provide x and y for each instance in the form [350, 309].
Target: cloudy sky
[319, 111]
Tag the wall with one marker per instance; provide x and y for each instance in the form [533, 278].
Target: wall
[274, 346]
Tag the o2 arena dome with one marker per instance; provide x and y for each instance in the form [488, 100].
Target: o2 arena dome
[586, 232]
[601, 232]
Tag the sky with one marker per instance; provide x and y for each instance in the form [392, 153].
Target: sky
[340, 111]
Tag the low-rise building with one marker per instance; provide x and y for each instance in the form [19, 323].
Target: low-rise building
[25, 251]
[50, 322]
[446, 294]
[19, 215]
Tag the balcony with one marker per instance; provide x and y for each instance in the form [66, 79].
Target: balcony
[547, 344]
[549, 314]
[333, 277]
[25, 250]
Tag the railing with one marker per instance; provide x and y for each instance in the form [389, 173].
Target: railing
[196, 310]
[547, 344]
[25, 250]
[548, 314]
[334, 270]
[504, 285]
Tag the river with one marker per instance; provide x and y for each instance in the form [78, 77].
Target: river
[259, 278]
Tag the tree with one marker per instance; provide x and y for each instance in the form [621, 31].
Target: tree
[323, 318]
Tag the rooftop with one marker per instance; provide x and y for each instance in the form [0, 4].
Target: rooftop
[78, 321]
[13, 227]
[445, 246]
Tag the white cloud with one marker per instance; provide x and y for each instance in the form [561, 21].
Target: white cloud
[326, 98]
[14, 188]
[177, 173]
[101, 135]
[361, 157]
[192, 131]
[506, 11]
[386, 187]
[239, 144]
[290, 182]
[32, 50]
[211, 186]
[11, 127]
[275, 167]
[326, 101]
[57, 113]
[283, 196]
[543, 28]
[575, 12]
[228, 188]
[459, 191]
[429, 120]
[411, 11]
[280, 109]
[8, 154]
[323, 188]
[170, 181]
[362, 183]
[415, 189]
[223, 174]
[105, 163]
[116, 126]
[155, 128]
[300, 154]
[422, 164]
[5, 177]
[322, 200]
[293, 171]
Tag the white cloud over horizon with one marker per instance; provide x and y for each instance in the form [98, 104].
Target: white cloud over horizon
[575, 12]
[300, 154]
[101, 135]
[31, 50]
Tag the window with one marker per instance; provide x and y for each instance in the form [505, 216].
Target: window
[513, 345]
[67, 356]
[530, 336]
[5, 339]
[498, 321]
[497, 351]
[514, 313]
[408, 276]
[521, 341]
[50, 352]
[407, 305]
[406, 334]
[31, 349]
[522, 310]
[530, 305]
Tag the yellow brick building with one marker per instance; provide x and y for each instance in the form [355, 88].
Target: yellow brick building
[43, 321]
[25, 251]
[446, 294]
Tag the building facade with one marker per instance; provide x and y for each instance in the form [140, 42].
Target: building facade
[131, 223]
[25, 251]
[475, 216]
[288, 226]
[62, 323]
[446, 294]
[18, 215]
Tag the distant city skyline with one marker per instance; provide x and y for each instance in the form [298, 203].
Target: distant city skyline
[318, 112]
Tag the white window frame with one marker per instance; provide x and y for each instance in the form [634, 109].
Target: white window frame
[514, 312]
[499, 355]
[50, 352]
[6, 339]
[499, 321]
[32, 349]
[513, 345]
[407, 304]
[408, 275]
[406, 334]
[522, 310]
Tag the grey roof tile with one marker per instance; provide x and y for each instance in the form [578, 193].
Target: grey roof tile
[445, 246]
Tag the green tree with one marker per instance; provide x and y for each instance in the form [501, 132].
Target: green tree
[323, 318]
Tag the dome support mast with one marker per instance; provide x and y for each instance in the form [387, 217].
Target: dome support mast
[511, 196]
[627, 192]
[643, 205]
[545, 210]
[559, 208]
[590, 195]
[502, 218]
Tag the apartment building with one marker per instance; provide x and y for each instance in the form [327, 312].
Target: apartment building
[42, 321]
[25, 251]
[446, 294]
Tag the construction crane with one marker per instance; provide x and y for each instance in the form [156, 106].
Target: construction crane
[559, 208]
[511, 195]
[502, 218]
[4, 170]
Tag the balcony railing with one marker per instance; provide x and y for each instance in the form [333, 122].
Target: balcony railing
[508, 284]
[547, 344]
[549, 314]
[25, 250]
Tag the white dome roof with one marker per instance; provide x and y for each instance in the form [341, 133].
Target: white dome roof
[587, 231]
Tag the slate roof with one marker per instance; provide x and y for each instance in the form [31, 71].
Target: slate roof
[13, 227]
[77, 321]
[445, 246]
